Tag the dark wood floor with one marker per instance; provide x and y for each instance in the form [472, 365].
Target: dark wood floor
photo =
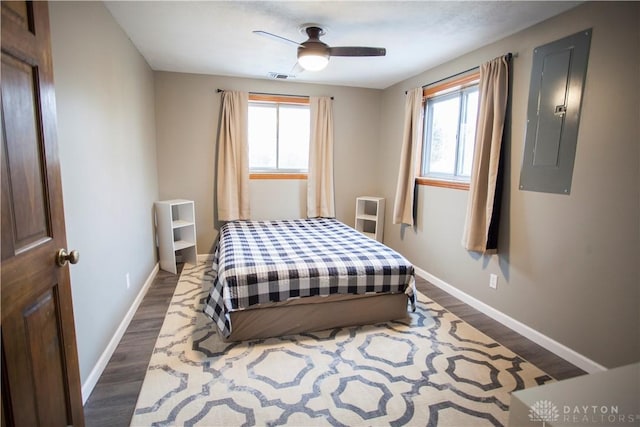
[113, 400]
[114, 397]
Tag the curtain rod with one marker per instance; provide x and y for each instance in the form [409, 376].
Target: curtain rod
[451, 76]
[510, 55]
[272, 94]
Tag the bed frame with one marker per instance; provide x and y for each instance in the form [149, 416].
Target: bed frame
[314, 314]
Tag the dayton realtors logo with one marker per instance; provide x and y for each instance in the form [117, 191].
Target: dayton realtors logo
[545, 411]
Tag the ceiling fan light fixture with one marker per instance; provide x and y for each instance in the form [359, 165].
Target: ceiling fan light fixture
[313, 61]
[314, 54]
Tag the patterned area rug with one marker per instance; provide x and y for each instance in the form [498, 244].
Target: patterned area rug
[434, 370]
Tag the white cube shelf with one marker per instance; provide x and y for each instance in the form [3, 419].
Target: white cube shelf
[370, 216]
[176, 231]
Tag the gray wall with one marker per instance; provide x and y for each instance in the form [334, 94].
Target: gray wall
[106, 135]
[187, 116]
[568, 265]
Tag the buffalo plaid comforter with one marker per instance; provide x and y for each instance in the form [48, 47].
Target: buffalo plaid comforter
[271, 261]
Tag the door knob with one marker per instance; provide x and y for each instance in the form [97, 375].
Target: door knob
[62, 257]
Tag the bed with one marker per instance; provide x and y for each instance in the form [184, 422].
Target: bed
[275, 278]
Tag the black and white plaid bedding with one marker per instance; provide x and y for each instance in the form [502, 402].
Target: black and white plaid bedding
[271, 261]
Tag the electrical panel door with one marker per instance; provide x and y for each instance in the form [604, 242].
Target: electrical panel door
[553, 115]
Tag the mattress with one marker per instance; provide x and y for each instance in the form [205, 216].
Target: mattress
[260, 262]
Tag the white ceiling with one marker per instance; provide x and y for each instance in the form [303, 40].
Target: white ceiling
[215, 37]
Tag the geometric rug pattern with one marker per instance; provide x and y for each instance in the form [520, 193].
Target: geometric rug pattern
[431, 370]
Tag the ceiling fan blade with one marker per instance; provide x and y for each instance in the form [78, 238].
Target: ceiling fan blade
[357, 51]
[297, 69]
[275, 37]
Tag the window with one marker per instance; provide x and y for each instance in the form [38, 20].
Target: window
[278, 135]
[451, 111]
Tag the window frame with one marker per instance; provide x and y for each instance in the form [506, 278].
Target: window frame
[457, 84]
[279, 173]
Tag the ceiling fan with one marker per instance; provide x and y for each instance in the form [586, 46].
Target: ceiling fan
[313, 54]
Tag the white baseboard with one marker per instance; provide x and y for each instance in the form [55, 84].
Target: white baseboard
[550, 344]
[205, 257]
[97, 370]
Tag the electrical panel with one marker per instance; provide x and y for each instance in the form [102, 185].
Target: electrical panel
[553, 114]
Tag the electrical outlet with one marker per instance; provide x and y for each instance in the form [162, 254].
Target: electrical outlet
[493, 281]
[128, 280]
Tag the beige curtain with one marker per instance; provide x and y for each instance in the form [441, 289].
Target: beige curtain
[409, 158]
[484, 202]
[233, 157]
[320, 187]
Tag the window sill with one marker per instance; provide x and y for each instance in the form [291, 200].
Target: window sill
[457, 185]
[276, 175]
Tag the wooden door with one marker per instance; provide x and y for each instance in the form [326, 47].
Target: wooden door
[40, 376]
